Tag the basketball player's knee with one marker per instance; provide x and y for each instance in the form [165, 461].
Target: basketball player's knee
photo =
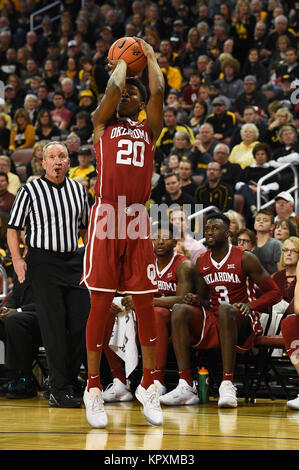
[227, 313]
[179, 315]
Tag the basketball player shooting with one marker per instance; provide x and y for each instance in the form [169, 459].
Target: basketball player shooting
[125, 155]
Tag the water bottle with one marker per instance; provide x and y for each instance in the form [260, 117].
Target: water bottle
[203, 385]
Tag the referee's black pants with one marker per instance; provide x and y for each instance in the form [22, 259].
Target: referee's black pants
[63, 308]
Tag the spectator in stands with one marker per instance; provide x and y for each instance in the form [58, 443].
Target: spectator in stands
[32, 70]
[87, 101]
[4, 134]
[283, 117]
[45, 129]
[23, 132]
[14, 182]
[173, 163]
[198, 115]
[223, 121]
[246, 238]
[250, 176]
[193, 48]
[236, 224]
[173, 100]
[61, 115]
[31, 106]
[230, 171]
[285, 278]
[70, 94]
[190, 91]
[6, 198]
[13, 100]
[259, 36]
[202, 149]
[73, 143]
[44, 102]
[281, 28]
[255, 68]
[181, 144]
[243, 152]
[179, 219]
[291, 66]
[174, 194]
[83, 127]
[284, 206]
[252, 115]
[243, 24]
[172, 75]
[171, 126]
[268, 249]
[85, 167]
[214, 192]
[231, 85]
[250, 96]
[50, 75]
[185, 174]
[287, 136]
[284, 229]
[34, 167]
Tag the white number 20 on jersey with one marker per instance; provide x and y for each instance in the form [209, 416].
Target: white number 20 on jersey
[130, 153]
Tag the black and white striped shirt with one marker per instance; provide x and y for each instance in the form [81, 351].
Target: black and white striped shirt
[51, 214]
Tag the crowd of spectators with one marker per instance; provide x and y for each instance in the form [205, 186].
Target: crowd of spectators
[231, 111]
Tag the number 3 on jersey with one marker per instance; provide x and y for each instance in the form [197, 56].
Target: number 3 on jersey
[130, 152]
[223, 294]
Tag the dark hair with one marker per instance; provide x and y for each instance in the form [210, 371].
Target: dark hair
[265, 212]
[4, 174]
[218, 215]
[250, 233]
[291, 227]
[137, 83]
[163, 225]
[169, 175]
[85, 151]
[262, 146]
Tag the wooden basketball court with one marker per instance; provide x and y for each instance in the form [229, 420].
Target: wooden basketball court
[266, 425]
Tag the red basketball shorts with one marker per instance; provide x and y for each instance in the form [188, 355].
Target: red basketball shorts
[205, 331]
[119, 253]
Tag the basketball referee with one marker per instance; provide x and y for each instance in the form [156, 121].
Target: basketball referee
[52, 209]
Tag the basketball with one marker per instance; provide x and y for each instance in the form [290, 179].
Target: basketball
[129, 50]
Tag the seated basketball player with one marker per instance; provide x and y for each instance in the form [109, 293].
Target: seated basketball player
[175, 275]
[226, 275]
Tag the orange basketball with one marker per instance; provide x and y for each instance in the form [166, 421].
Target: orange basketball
[128, 49]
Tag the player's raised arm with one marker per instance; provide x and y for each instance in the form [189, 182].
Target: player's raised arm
[111, 98]
[154, 108]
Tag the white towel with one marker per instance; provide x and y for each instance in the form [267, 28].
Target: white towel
[123, 337]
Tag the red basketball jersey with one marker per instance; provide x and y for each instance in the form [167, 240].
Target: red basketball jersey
[227, 281]
[167, 278]
[125, 157]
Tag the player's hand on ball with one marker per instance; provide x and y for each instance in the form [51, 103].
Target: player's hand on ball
[113, 63]
[146, 48]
